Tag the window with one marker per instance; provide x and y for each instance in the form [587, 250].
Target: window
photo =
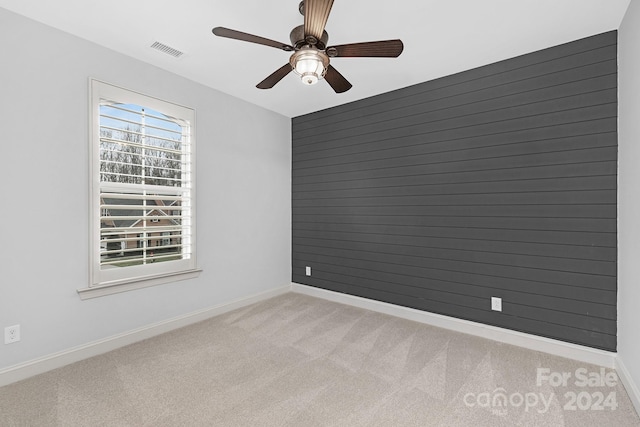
[142, 202]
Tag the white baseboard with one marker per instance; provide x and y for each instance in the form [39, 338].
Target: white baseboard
[532, 342]
[57, 360]
[630, 386]
[572, 351]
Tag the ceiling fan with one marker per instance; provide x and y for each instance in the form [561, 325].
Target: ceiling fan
[311, 57]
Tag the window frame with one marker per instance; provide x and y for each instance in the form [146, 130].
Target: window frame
[105, 281]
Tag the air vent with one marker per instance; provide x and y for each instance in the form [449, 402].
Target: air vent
[167, 49]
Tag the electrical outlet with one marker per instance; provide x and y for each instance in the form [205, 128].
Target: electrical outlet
[11, 334]
[496, 304]
[308, 271]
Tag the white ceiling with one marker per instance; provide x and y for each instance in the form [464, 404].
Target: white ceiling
[441, 37]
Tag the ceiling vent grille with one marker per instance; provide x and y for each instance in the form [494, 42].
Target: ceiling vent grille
[166, 49]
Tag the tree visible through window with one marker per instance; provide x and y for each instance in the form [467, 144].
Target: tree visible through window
[143, 172]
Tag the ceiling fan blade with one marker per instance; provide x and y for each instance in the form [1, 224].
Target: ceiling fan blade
[336, 80]
[382, 49]
[275, 77]
[316, 14]
[239, 35]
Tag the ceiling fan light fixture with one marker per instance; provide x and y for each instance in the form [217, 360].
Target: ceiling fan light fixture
[310, 64]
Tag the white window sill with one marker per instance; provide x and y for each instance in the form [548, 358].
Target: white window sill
[138, 283]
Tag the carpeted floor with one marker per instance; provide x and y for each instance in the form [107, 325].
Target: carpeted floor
[295, 360]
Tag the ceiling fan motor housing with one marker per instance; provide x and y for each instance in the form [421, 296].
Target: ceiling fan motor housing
[298, 39]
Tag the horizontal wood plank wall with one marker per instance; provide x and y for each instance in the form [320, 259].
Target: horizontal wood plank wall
[498, 181]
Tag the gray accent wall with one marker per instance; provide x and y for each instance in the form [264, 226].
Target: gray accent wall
[495, 182]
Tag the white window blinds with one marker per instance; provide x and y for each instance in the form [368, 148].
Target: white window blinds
[144, 186]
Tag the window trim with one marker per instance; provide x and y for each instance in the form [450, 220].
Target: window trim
[101, 284]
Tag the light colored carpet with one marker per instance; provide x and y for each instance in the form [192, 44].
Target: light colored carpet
[295, 360]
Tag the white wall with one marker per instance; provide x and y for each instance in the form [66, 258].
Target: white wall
[243, 189]
[629, 196]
